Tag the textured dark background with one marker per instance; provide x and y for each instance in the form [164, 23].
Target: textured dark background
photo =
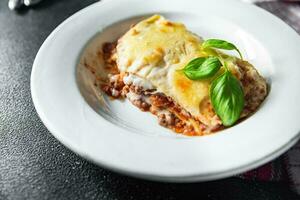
[34, 165]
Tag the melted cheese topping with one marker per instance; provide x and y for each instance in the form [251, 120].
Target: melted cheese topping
[156, 49]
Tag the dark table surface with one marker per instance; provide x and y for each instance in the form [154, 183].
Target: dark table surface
[34, 165]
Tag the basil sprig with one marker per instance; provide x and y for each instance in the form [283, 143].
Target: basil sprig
[227, 97]
[220, 44]
[226, 92]
[202, 68]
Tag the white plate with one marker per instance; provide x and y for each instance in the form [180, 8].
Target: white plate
[118, 136]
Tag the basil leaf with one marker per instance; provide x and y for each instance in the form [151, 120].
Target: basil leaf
[220, 44]
[227, 98]
[202, 68]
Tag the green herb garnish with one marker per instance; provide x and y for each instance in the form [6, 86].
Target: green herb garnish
[227, 97]
[220, 44]
[202, 68]
[226, 92]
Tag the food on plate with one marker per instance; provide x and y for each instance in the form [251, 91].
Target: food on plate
[190, 84]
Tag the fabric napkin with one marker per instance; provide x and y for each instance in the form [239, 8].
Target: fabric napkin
[285, 168]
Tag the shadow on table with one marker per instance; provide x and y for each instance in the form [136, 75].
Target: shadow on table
[231, 188]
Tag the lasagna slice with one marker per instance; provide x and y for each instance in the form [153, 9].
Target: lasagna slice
[145, 66]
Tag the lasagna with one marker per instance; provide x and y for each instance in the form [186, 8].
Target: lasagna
[145, 66]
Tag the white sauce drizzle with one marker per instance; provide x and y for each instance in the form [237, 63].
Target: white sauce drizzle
[137, 81]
